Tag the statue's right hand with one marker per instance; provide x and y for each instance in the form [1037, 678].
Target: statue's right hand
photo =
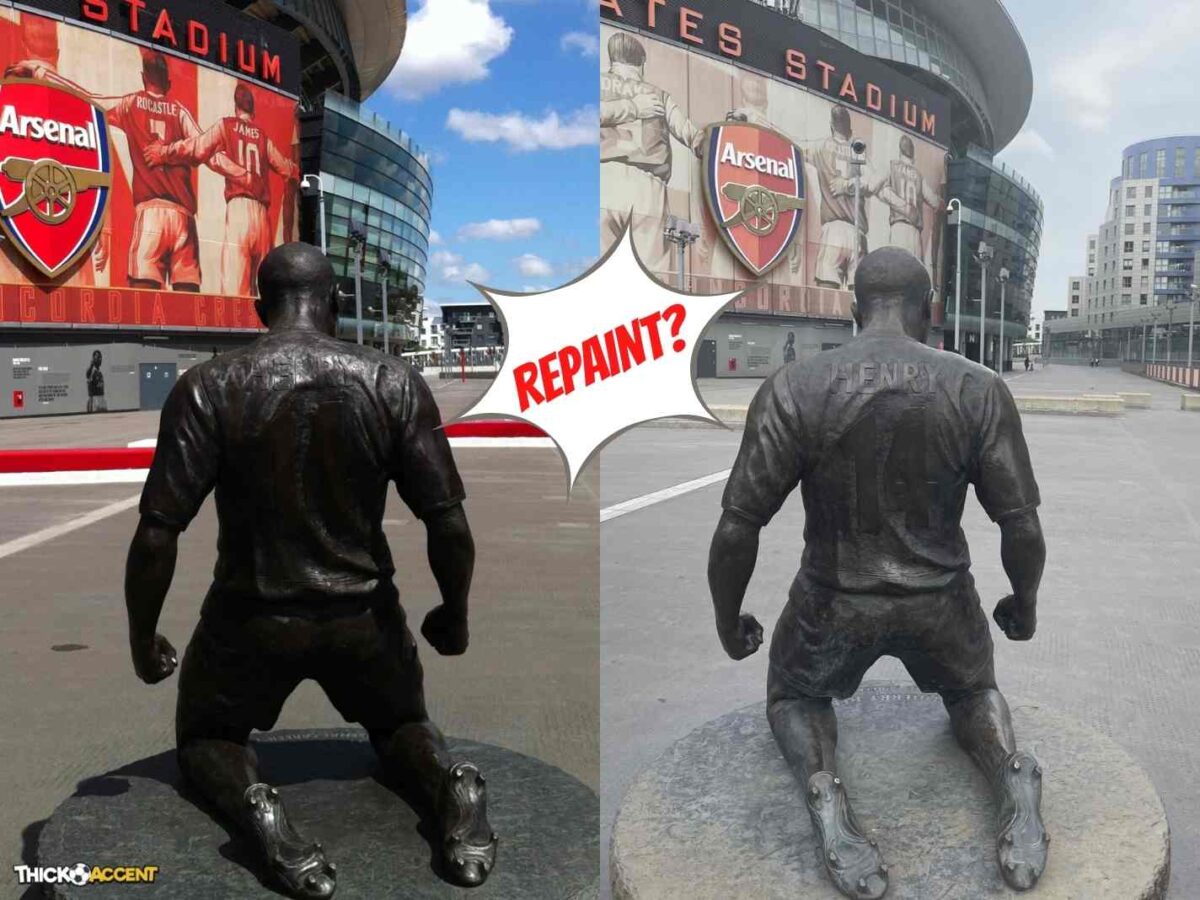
[154, 661]
[446, 631]
[744, 638]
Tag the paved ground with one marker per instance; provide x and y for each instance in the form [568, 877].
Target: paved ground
[74, 708]
[1118, 644]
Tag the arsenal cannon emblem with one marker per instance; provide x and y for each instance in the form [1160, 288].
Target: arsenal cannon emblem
[55, 172]
[754, 184]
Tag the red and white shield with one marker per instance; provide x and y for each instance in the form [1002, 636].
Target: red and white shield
[55, 172]
[754, 184]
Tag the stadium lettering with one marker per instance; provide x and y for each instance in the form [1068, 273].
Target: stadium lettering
[51, 131]
[758, 163]
[727, 29]
[164, 28]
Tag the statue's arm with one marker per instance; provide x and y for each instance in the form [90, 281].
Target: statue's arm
[731, 559]
[148, 573]
[183, 473]
[451, 552]
[1023, 553]
[1008, 492]
[767, 469]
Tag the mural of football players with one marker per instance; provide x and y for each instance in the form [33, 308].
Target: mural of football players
[248, 235]
[166, 246]
[908, 185]
[840, 244]
[637, 122]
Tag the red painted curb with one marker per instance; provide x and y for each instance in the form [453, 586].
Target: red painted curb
[76, 460]
[84, 459]
[494, 428]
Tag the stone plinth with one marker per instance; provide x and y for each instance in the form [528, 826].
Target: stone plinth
[720, 816]
[548, 824]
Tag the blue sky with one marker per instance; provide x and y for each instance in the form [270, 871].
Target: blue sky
[1107, 73]
[502, 94]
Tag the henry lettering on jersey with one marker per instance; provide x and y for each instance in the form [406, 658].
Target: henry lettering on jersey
[870, 377]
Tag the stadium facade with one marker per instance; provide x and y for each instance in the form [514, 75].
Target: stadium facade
[1141, 272]
[933, 91]
[126, 259]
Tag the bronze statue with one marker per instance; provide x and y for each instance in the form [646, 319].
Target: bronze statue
[299, 434]
[884, 435]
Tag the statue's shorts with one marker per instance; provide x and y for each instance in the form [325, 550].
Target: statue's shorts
[238, 671]
[827, 639]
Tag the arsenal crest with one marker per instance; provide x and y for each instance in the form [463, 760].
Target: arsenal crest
[754, 184]
[55, 172]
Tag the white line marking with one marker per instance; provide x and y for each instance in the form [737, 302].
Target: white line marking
[57, 531]
[628, 506]
[144, 442]
[86, 476]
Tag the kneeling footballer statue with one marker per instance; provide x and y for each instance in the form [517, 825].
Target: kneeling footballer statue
[884, 435]
[300, 434]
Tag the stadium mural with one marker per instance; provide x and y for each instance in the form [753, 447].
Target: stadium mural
[665, 110]
[139, 188]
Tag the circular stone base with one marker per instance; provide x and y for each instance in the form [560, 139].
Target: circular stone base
[547, 822]
[719, 815]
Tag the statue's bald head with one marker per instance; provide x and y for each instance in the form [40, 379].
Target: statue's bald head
[296, 279]
[893, 280]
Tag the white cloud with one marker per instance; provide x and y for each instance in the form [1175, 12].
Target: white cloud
[585, 43]
[1030, 141]
[523, 133]
[499, 229]
[448, 42]
[1089, 78]
[452, 267]
[435, 239]
[533, 266]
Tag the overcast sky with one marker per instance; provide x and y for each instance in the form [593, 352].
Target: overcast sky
[1106, 74]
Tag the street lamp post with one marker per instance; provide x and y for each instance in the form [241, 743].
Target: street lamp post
[1191, 323]
[385, 268]
[358, 241]
[305, 184]
[682, 234]
[859, 148]
[955, 208]
[1003, 281]
[984, 254]
[1154, 337]
[1170, 330]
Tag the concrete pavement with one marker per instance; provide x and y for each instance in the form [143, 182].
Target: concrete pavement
[1118, 643]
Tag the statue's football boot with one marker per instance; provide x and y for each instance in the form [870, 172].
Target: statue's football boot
[468, 842]
[1022, 843]
[298, 866]
[854, 863]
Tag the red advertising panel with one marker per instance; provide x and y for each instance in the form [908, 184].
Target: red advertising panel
[137, 187]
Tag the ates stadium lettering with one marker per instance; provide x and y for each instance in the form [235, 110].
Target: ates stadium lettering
[760, 38]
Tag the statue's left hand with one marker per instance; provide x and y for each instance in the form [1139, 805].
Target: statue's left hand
[1016, 619]
[446, 631]
[154, 661]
